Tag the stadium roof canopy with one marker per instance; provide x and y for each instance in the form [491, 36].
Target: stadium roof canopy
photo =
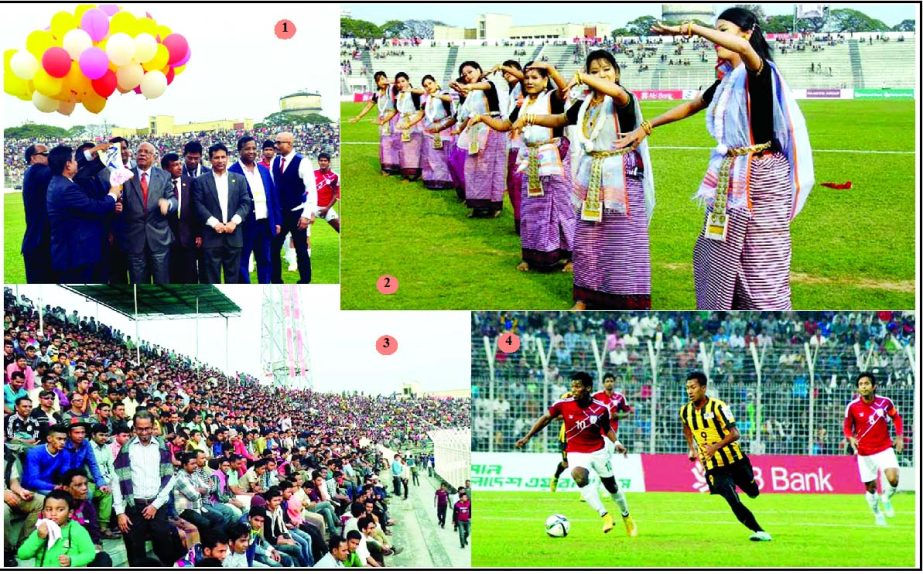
[301, 93]
[160, 301]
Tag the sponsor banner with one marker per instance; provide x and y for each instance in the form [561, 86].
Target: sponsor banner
[834, 93]
[514, 471]
[775, 474]
[884, 93]
[659, 94]
[362, 97]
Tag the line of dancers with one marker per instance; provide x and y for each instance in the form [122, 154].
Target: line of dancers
[525, 134]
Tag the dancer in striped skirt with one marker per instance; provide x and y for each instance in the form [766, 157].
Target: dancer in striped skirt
[512, 73]
[437, 137]
[407, 105]
[457, 155]
[548, 218]
[389, 141]
[613, 192]
[485, 165]
[759, 175]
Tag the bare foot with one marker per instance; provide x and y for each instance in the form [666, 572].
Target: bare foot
[568, 267]
[579, 306]
[522, 266]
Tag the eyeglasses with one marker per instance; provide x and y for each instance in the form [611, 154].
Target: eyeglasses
[41, 153]
[277, 142]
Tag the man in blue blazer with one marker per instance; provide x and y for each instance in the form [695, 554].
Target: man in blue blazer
[265, 221]
[36, 243]
[74, 218]
[222, 202]
[145, 227]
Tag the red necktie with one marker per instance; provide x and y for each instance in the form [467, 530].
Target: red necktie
[144, 187]
[282, 164]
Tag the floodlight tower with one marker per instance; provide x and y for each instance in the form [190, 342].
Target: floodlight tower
[284, 357]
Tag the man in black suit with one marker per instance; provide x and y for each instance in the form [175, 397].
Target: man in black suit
[185, 224]
[222, 202]
[74, 217]
[36, 243]
[192, 160]
[147, 202]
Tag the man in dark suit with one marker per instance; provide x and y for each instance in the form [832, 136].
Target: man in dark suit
[74, 218]
[265, 219]
[36, 243]
[145, 231]
[192, 160]
[222, 203]
[185, 224]
[293, 177]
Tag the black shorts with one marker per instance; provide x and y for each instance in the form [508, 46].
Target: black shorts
[723, 479]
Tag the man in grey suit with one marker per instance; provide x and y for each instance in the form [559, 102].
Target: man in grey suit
[222, 202]
[146, 237]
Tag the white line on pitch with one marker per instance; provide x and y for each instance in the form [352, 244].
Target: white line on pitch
[682, 147]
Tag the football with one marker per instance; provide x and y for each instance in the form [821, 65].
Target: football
[557, 526]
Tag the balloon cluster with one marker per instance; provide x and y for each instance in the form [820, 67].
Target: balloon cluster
[85, 56]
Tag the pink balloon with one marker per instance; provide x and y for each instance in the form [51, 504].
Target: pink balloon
[56, 61]
[94, 63]
[177, 46]
[95, 22]
[184, 60]
[109, 9]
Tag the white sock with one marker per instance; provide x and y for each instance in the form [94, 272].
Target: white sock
[591, 495]
[888, 493]
[619, 499]
[872, 499]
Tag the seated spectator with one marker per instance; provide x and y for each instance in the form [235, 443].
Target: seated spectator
[73, 547]
[239, 554]
[339, 553]
[282, 539]
[214, 548]
[44, 461]
[18, 503]
[75, 483]
[353, 540]
[189, 492]
[263, 551]
[99, 442]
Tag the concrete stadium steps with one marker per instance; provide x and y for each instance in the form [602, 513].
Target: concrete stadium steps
[888, 64]
[417, 531]
[796, 67]
[853, 64]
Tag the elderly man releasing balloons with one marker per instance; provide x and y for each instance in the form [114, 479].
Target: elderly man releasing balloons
[85, 56]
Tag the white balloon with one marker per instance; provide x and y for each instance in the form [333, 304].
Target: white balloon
[24, 65]
[128, 77]
[75, 42]
[120, 48]
[43, 103]
[153, 84]
[66, 108]
[145, 48]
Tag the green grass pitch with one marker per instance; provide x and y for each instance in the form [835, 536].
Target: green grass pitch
[852, 249]
[325, 248]
[692, 530]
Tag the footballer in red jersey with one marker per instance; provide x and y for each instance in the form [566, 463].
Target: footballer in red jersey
[328, 191]
[866, 429]
[586, 421]
[617, 403]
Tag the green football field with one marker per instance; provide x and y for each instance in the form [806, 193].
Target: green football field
[852, 249]
[691, 530]
[325, 248]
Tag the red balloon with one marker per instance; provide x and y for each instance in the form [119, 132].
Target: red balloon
[177, 46]
[56, 61]
[106, 85]
[170, 75]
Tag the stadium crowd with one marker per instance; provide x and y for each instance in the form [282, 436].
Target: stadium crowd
[211, 468]
[522, 389]
[82, 226]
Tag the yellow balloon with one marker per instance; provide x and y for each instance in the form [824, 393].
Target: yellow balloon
[38, 42]
[123, 21]
[47, 85]
[94, 104]
[163, 32]
[159, 60]
[75, 85]
[62, 23]
[147, 26]
[179, 70]
[12, 84]
[65, 108]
